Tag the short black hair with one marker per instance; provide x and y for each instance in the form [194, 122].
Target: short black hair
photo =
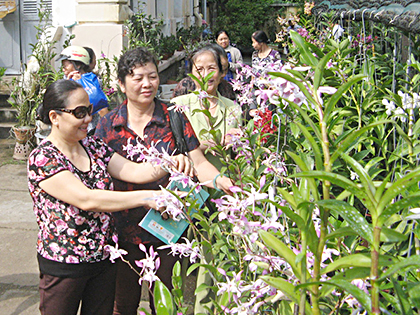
[80, 66]
[220, 33]
[134, 58]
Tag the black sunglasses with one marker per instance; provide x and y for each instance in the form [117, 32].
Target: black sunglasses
[79, 112]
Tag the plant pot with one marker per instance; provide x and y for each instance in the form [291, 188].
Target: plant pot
[25, 141]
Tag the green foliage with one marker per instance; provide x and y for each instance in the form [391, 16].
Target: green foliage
[146, 31]
[27, 91]
[2, 72]
[320, 210]
[168, 44]
[241, 18]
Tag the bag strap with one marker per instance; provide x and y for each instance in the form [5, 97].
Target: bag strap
[177, 128]
[178, 131]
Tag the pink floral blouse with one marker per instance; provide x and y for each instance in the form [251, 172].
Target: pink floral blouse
[68, 234]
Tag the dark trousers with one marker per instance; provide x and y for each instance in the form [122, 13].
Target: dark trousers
[62, 296]
[128, 290]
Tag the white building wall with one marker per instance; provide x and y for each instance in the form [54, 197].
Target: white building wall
[99, 23]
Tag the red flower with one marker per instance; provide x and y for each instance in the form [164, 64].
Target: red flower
[263, 122]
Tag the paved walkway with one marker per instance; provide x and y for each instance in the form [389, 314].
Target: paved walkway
[18, 230]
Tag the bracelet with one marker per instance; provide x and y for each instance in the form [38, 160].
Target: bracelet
[214, 182]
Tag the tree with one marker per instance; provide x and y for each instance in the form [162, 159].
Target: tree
[240, 18]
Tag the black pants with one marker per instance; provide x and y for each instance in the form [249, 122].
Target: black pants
[62, 296]
[128, 290]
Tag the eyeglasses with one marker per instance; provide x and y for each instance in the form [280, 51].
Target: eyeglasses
[79, 112]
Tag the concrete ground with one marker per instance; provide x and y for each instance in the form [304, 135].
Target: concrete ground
[18, 234]
[18, 230]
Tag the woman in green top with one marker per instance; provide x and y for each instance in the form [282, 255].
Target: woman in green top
[227, 114]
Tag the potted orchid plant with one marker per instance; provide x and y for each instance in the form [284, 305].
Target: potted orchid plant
[27, 90]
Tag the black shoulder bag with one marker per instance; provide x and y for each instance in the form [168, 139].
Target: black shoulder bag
[178, 131]
[177, 128]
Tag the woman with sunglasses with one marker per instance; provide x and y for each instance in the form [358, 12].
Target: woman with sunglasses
[69, 179]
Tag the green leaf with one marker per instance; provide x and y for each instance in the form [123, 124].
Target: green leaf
[305, 168]
[341, 232]
[295, 130]
[315, 147]
[288, 197]
[285, 308]
[399, 187]
[341, 181]
[357, 293]
[364, 178]
[344, 145]
[282, 250]
[414, 292]
[201, 287]
[305, 54]
[392, 236]
[402, 298]
[290, 214]
[164, 303]
[319, 70]
[352, 216]
[401, 132]
[176, 275]
[287, 288]
[281, 284]
[410, 262]
[329, 106]
[348, 275]
[355, 260]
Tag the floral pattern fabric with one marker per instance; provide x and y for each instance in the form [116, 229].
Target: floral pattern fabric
[68, 234]
[113, 129]
[262, 63]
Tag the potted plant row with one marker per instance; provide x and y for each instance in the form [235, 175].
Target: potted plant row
[27, 91]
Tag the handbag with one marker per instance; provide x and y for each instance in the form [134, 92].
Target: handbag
[177, 128]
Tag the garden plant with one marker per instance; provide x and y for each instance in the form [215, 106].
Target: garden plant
[323, 213]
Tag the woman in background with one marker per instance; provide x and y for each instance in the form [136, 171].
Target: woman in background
[187, 84]
[233, 54]
[263, 56]
[77, 64]
[206, 60]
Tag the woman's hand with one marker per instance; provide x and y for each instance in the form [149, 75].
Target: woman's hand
[233, 132]
[183, 164]
[224, 183]
[152, 203]
[74, 75]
